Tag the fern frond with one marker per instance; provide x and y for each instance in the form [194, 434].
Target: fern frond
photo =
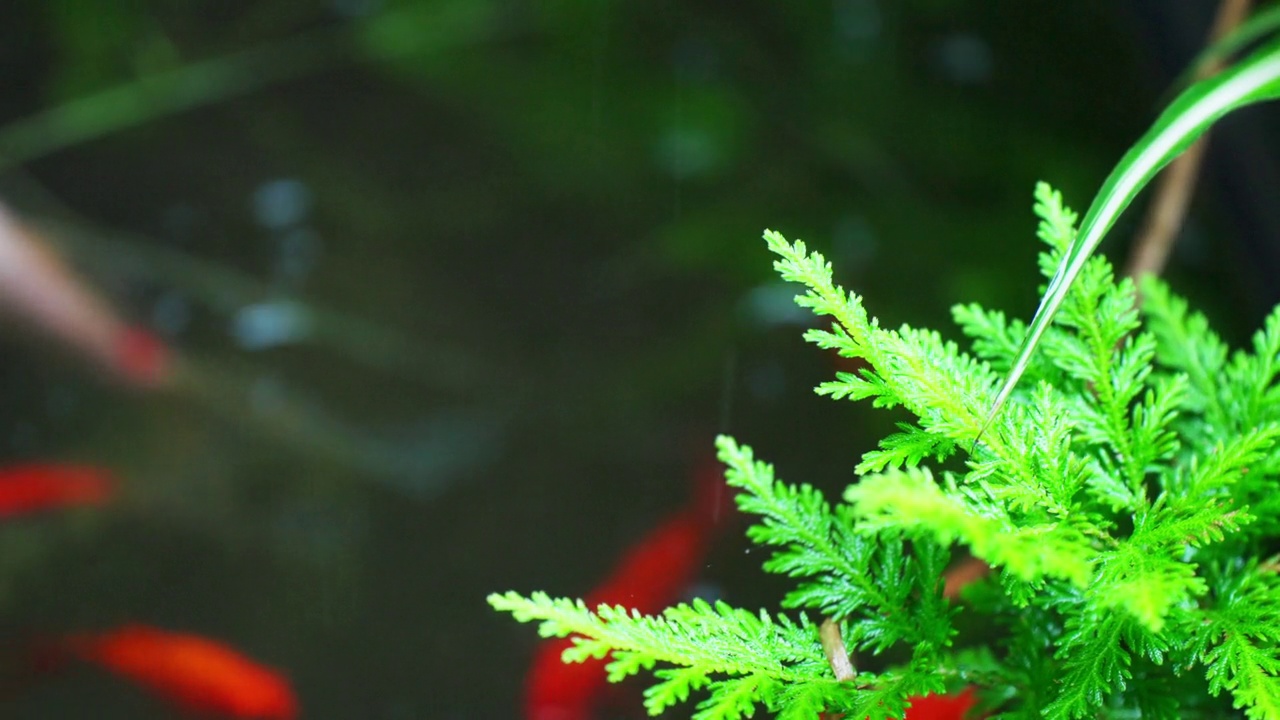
[1095, 664]
[1057, 227]
[755, 651]
[1146, 582]
[1185, 343]
[1228, 462]
[1253, 377]
[1122, 500]
[1250, 672]
[910, 500]
[945, 388]
[995, 338]
[847, 574]
[674, 687]
[1240, 641]
[908, 448]
[743, 659]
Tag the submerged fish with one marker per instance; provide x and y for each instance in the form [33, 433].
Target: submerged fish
[941, 707]
[259, 316]
[962, 574]
[38, 290]
[652, 575]
[194, 673]
[32, 488]
[930, 707]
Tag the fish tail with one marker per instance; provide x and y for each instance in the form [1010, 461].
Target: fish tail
[142, 359]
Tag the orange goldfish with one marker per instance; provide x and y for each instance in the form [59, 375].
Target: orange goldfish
[930, 707]
[941, 707]
[196, 674]
[26, 489]
[39, 290]
[965, 572]
[653, 574]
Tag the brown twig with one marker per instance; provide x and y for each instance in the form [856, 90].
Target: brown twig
[837, 657]
[837, 654]
[1173, 192]
[966, 571]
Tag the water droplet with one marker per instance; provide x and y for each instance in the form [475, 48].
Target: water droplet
[857, 20]
[773, 304]
[270, 324]
[278, 204]
[964, 59]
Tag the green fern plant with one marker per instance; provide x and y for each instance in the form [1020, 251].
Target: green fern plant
[1124, 499]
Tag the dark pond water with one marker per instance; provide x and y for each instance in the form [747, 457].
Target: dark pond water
[463, 291]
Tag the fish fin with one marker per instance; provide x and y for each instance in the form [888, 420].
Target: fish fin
[142, 358]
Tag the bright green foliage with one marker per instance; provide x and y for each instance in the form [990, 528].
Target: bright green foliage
[1126, 500]
[772, 661]
[1256, 78]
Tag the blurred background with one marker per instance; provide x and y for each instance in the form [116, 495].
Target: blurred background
[463, 289]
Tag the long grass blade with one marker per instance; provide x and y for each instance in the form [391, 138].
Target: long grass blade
[1254, 79]
[1259, 25]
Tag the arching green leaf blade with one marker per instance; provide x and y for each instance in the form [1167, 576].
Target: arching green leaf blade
[1253, 80]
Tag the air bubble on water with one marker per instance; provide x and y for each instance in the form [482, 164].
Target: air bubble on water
[964, 59]
[773, 304]
[266, 325]
[704, 590]
[856, 28]
[279, 204]
[857, 21]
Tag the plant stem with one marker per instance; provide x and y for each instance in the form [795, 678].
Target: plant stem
[1169, 206]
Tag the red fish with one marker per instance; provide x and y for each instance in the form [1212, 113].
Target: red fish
[652, 575]
[141, 358]
[965, 572]
[196, 674]
[39, 290]
[26, 489]
[941, 707]
[931, 707]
